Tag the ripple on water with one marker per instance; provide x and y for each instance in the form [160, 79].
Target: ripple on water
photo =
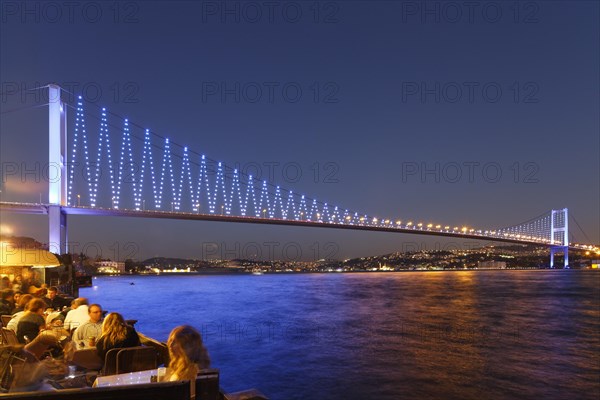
[453, 335]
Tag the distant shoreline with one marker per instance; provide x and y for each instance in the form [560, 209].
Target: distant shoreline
[340, 272]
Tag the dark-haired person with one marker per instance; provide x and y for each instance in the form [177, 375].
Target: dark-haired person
[16, 296]
[19, 311]
[32, 321]
[17, 283]
[7, 304]
[31, 284]
[54, 301]
[5, 283]
[85, 335]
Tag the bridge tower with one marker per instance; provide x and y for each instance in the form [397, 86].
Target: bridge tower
[57, 164]
[559, 235]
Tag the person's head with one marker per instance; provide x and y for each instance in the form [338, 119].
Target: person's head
[36, 306]
[55, 319]
[24, 301]
[8, 295]
[18, 279]
[187, 352]
[114, 328]
[17, 296]
[52, 292]
[80, 301]
[95, 313]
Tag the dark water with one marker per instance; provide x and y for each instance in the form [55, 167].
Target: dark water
[435, 335]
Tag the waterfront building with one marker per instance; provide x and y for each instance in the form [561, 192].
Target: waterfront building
[110, 267]
[491, 265]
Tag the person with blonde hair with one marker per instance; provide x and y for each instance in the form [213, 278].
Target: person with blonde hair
[116, 334]
[187, 353]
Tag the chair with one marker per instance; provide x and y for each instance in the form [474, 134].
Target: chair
[2, 324]
[207, 385]
[11, 364]
[110, 362]
[87, 359]
[129, 359]
[139, 358]
[6, 377]
[9, 337]
[131, 322]
[161, 349]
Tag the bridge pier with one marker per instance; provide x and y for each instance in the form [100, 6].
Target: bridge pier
[57, 161]
[559, 235]
[559, 249]
[57, 230]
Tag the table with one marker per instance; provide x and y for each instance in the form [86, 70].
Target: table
[129, 378]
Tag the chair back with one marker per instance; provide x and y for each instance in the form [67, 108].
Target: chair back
[161, 349]
[110, 362]
[5, 319]
[87, 359]
[207, 385]
[11, 365]
[139, 358]
[9, 337]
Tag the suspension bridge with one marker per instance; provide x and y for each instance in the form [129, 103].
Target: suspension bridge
[142, 174]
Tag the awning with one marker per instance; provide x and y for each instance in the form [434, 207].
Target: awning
[35, 258]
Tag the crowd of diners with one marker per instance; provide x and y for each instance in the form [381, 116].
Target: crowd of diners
[48, 325]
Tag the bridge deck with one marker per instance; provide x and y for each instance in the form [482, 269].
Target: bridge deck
[36, 208]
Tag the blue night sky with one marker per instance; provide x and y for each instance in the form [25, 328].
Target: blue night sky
[375, 92]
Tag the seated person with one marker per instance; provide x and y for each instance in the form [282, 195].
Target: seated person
[17, 284]
[32, 284]
[19, 311]
[116, 334]
[52, 340]
[53, 300]
[7, 304]
[32, 321]
[53, 316]
[5, 283]
[87, 333]
[187, 353]
[16, 297]
[31, 376]
[78, 315]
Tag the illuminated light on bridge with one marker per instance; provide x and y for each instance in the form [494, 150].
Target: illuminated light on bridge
[193, 185]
